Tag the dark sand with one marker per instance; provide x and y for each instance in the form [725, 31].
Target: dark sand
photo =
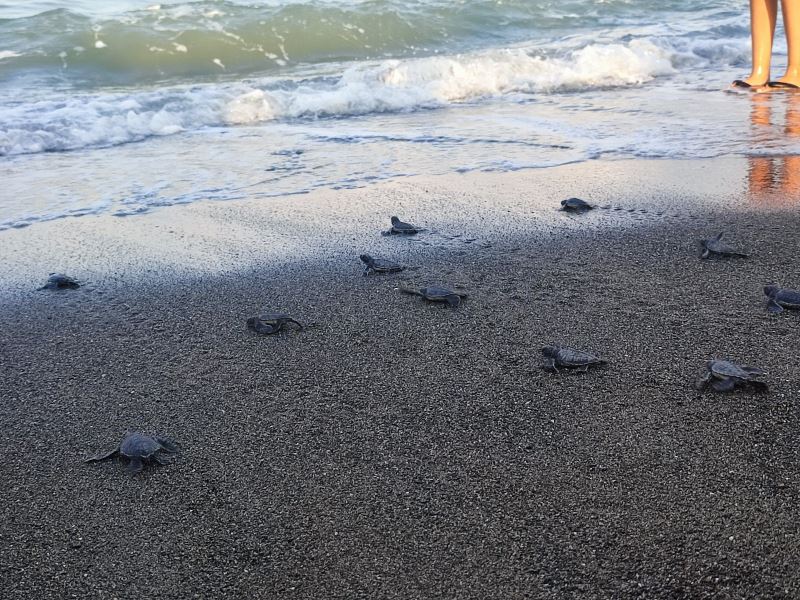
[396, 449]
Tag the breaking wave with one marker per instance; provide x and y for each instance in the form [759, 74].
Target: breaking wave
[86, 120]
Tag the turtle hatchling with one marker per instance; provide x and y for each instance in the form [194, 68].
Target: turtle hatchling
[724, 376]
[575, 205]
[568, 358]
[717, 247]
[267, 323]
[435, 293]
[139, 449]
[399, 226]
[379, 265]
[780, 298]
[59, 281]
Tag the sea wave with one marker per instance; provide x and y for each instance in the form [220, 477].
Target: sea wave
[86, 120]
[436, 81]
[213, 38]
[209, 38]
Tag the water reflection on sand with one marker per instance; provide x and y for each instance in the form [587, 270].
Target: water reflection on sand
[774, 180]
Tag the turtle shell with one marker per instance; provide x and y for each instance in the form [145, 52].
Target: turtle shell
[436, 292]
[788, 298]
[570, 357]
[59, 281]
[399, 226]
[273, 318]
[137, 445]
[719, 246]
[575, 204]
[725, 368]
[381, 265]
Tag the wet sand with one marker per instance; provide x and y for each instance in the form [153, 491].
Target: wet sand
[396, 449]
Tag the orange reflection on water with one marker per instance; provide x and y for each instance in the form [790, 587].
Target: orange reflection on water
[775, 179]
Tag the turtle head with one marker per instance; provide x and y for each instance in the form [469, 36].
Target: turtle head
[366, 258]
[394, 220]
[550, 351]
[771, 290]
[563, 203]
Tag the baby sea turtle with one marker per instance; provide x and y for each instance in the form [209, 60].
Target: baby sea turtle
[724, 376]
[568, 358]
[138, 449]
[379, 265]
[780, 298]
[575, 205]
[399, 226]
[716, 246]
[58, 281]
[267, 323]
[435, 293]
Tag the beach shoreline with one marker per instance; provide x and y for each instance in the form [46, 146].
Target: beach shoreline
[396, 449]
[484, 209]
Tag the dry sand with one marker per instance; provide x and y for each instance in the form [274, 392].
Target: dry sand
[396, 449]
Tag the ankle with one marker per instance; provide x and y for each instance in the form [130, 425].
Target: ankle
[792, 75]
[792, 72]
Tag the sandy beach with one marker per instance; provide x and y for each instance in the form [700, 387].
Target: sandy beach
[398, 449]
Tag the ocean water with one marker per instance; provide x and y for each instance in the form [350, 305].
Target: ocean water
[122, 106]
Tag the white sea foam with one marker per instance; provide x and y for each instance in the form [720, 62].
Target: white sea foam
[389, 86]
[8, 54]
[402, 85]
[100, 121]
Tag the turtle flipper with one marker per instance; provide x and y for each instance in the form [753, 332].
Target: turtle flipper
[773, 306]
[410, 291]
[298, 323]
[550, 365]
[723, 385]
[758, 386]
[256, 325]
[135, 465]
[702, 381]
[101, 455]
[453, 300]
[366, 271]
[166, 444]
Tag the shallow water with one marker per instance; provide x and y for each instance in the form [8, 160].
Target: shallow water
[125, 106]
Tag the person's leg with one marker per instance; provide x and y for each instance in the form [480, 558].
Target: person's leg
[791, 23]
[763, 14]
